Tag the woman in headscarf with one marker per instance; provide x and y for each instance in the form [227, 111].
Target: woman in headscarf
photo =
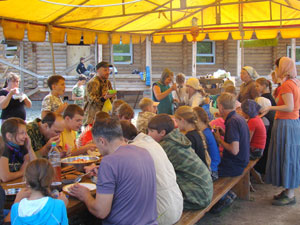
[247, 89]
[162, 93]
[283, 167]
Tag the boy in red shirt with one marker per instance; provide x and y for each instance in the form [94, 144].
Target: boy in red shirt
[256, 126]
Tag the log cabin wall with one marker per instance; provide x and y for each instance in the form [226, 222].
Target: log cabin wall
[175, 56]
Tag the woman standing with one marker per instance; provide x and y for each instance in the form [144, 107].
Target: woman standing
[247, 89]
[162, 93]
[12, 102]
[283, 168]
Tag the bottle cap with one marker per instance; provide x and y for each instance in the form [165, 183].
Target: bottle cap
[53, 144]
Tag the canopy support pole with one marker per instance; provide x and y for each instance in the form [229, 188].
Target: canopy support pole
[238, 59]
[100, 53]
[149, 59]
[293, 49]
[112, 62]
[194, 59]
[22, 64]
[52, 48]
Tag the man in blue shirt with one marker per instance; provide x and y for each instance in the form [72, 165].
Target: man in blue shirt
[236, 145]
[236, 138]
[126, 186]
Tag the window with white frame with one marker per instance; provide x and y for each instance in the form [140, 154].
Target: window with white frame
[122, 53]
[289, 53]
[206, 52]
[10, 50]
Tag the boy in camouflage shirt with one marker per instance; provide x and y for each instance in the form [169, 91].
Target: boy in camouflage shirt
[149, 109]
[193, 176]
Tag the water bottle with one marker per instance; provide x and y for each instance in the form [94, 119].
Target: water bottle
[54, 158]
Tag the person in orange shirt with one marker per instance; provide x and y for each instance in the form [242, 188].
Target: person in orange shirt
[283, 159]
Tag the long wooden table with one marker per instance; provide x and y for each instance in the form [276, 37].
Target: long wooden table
[73, 207]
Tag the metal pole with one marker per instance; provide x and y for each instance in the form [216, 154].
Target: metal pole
[194, 59]
[149, 60]
[22, 64]
[112, 63]
[293, 49]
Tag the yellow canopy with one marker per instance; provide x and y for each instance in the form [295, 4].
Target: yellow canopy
[134, 19]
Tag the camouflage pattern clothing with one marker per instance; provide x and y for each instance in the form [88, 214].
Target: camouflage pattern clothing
[37, 138]
[78, 91]
[142, 121]
[94, 100]
[51, 103]
[192, 174]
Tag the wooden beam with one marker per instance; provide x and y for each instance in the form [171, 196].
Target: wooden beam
[182, 4]
[13, 59]
[68, 12]
[176, 21]
[123, 8]
[151, 11]
[21, 69]
[139, 17]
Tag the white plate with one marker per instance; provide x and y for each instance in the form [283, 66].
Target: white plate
[90, 186]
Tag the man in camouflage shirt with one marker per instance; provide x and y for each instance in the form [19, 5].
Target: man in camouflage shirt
[96, 93]
[43, 132]
[193, 176]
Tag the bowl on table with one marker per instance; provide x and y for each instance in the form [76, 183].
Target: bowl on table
[80, 161]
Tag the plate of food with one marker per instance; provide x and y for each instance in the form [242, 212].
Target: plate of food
[94, 153]
[90, 186]
[79, 162]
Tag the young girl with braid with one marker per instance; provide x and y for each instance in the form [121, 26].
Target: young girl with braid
[40, 207]
[212, 146]
[187, 124]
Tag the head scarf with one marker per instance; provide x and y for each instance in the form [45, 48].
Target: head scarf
[287, 68]
[250, 107]
[251, 71]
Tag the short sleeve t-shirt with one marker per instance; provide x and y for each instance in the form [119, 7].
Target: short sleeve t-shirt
[68, 140]
[15, 159]
[51, 103]
[259, 137]
[236, 129]
[15, 108]
[129, 174]
[289, 86]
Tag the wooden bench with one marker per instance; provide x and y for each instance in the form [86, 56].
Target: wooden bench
[240, 185]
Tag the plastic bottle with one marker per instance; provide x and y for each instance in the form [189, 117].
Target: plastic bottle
[54, 158]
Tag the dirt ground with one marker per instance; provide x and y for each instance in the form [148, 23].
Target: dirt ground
[258, 210]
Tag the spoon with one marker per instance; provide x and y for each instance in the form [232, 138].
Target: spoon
[79, 178]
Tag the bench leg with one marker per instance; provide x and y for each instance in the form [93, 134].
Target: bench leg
[242, 188]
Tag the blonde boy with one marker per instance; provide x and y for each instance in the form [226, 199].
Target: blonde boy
[149, 109]
[73, 116]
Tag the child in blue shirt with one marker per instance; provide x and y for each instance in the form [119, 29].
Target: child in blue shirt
[212, 146]
[40, 207]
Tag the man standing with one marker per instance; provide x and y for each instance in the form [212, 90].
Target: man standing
[96, 92]
[126, 186]
[43, 132]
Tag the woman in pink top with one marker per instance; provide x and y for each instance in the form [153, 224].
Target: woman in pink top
[283, 167]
